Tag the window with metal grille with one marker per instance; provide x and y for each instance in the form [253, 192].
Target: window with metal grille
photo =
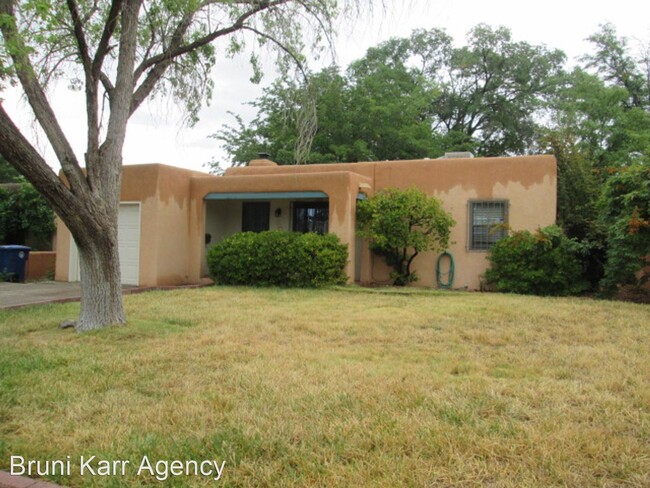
[255, 216]
[310, 217]
[486, 223]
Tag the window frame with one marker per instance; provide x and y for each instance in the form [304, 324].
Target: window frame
[258, 204]
[306, 204]
[489, 243]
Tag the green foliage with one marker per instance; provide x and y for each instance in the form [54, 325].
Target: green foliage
[400, 224]
[378, 116]
[542, 263]
[25, 213]
[8, 173]
[278, 258]
[408, 98]
[617, 67]
[491, 90]
[626, 214]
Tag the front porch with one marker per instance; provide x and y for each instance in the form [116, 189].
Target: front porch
[324, 202]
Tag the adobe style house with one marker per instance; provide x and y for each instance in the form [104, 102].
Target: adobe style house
[170, 216]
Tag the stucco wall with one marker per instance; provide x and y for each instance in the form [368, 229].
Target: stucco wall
[175, 215]
[164, 196]
[527, 183]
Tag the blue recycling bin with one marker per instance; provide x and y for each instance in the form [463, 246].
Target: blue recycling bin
[13, 260]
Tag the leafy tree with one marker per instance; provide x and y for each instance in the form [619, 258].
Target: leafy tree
[616, 66]
[599, 121]
[380, 116]
[124, 52]
[491, 91]
[409, 98]
[24, 212]
[609, 131]
[8, 173]
[400, 224]
[626, 213]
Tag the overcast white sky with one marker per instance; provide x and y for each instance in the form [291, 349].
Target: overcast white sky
[156, 135]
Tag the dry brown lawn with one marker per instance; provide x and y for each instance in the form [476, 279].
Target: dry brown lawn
[336, 388]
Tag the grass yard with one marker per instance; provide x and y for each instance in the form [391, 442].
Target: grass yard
[336, 388]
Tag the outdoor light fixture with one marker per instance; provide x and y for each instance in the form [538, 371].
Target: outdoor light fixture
[278, 212]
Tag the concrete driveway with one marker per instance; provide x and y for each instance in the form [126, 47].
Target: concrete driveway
[34, 293]
[20, 294]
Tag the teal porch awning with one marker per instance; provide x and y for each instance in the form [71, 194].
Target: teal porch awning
[272, 195]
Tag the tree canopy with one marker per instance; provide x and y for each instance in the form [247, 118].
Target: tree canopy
[410, 98]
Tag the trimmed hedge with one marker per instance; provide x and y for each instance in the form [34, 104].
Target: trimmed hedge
[544, 263]
[278, 258]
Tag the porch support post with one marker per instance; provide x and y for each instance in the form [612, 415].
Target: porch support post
[197, 233]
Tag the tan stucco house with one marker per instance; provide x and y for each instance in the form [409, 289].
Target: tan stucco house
[170, 216]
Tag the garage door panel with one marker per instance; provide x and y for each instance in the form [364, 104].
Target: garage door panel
[128, 238]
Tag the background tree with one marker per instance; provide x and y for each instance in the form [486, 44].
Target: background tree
[598, 122]
[374, 116]
[25, 217]
[626, 214]
[400, 224]
[492, 91]
[410, 98]
[8, 173]
[124, 52]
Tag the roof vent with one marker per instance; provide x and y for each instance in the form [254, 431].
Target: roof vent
[457, 155]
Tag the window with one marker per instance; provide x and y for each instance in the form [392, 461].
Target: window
[311, 217]
[486, 218]
[255, 216]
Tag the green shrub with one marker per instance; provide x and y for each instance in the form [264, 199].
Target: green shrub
[278, 258]
[625, 206]
[543, 263]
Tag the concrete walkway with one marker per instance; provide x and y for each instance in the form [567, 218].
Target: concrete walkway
[8, 481]
[15, 295]
[21, 294]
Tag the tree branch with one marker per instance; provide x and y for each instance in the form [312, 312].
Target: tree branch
[158, 64]
[91, 85]
[107, 174]
[281, 46]
[107, 83]
[80, 37]
[109, 29]
[22, 156]
[37, 99]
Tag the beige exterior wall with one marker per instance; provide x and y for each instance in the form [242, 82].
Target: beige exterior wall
[527, 183]
[175, 216]
[164, 197]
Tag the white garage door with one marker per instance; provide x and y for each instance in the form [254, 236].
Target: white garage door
[128, 237]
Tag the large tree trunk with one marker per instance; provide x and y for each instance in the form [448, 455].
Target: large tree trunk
[101, 287]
